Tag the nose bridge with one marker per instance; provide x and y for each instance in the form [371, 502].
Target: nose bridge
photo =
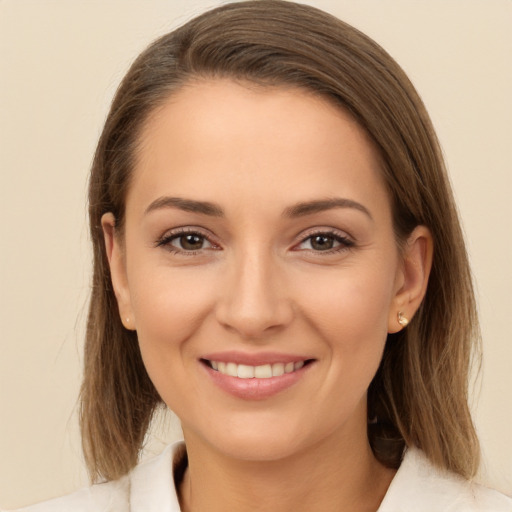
[254, 300]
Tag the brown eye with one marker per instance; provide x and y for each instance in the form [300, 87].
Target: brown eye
[189, 242]
[322, 242]
[325, 242]
[186, 242]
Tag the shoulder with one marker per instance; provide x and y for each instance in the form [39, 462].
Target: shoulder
[421, 487]
[148, 488]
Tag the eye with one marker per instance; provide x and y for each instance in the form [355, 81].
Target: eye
[321, 242]
[188, 242]
[325, 242]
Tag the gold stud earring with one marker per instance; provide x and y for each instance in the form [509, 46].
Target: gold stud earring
[402, 320]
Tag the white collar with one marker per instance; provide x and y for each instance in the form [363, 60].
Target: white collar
[152, 482]
[417, 486]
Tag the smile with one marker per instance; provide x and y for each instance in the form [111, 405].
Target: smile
[264, 371]
[256, 376]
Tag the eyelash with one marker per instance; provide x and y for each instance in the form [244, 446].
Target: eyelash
[165, 242]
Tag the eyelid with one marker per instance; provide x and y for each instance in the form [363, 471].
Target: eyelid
[324, 230]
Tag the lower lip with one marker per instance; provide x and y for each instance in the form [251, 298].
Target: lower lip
[256, 389]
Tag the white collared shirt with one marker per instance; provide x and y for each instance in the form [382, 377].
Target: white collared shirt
[417, 487]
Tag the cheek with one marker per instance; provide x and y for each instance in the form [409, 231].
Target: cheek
[349, 311]
[351, 302]
[169, 307]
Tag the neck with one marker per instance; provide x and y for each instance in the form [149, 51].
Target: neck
[330, 476]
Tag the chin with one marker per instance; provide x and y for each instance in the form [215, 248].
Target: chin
[261, 439]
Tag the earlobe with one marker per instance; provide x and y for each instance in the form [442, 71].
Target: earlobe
[415, 271]
[116, 260]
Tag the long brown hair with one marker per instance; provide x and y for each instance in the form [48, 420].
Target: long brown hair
[419, 395]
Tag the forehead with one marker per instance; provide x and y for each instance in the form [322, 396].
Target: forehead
[255, 109]
[228, 137]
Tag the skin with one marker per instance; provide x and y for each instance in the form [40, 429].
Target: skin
[260, 282]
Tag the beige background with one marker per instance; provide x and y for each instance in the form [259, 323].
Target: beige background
[60, 61]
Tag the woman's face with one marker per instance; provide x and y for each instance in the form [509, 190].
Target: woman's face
[259, 266]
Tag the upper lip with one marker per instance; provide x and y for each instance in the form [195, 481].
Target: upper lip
[256, 359]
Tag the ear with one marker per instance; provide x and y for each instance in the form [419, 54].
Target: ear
[116, 260]
[412, 278]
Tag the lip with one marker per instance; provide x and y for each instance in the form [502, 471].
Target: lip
[255, 389]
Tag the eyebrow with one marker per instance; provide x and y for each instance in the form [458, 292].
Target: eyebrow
[297, 210]
[188, 205]
[310, 207]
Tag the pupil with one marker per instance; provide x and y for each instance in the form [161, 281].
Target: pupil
[191, 242]
[322, 243]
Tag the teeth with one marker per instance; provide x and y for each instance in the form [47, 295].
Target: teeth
[231, 370]
[264, 371]
[277, 369]
[245, 372]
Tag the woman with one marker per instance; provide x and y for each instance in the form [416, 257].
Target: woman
[278, 259]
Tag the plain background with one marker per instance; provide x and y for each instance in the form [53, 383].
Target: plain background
[60, 62]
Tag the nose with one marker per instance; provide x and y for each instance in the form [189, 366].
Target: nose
[254, 300]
